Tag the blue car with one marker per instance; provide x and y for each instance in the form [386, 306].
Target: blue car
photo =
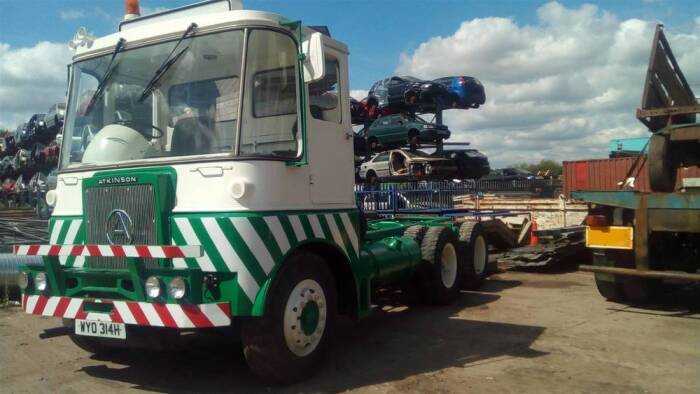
[465, 92]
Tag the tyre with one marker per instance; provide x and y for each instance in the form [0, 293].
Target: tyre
[410, 290]
[476, 250]
[611, 286]
[371, 178]
[289, 343]
[441, 271]
[662, 171]
[624, 287]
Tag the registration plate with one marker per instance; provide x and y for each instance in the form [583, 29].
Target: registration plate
[102, 329]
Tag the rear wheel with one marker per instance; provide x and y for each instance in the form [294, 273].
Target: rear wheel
[611, 286]
[662, 171]
[442, 268]
[477, 254]
[289, 343]
[372, 178]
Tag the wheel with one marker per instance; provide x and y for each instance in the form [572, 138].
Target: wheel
[410, 290]
[662, 171]
[442, 267]
[372, 178]
[611, 286]
[476, 252]
[623, 287]
[289, 343]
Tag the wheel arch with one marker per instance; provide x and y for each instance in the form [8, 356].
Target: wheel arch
[339, 264]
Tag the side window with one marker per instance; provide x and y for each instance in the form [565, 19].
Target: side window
[324, 95]
[271, 129]
[382, 157]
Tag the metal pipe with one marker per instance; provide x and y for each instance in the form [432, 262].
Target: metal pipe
[642, 273]
[9, 268]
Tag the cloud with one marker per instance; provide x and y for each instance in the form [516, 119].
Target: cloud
[31, 80]
[71, 15]
[358, 94]
[559, 89]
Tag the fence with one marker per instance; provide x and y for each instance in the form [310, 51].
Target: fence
[440, 197]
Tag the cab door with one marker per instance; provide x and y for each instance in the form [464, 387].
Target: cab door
[329, 135]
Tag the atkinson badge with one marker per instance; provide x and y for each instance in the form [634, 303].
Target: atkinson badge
[116, 180]
[120, 228]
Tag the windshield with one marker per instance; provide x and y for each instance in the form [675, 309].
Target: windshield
[192, 108]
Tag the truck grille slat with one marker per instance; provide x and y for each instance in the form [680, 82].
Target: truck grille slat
[138, 201]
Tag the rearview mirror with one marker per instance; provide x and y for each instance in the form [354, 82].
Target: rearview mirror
[314, 63]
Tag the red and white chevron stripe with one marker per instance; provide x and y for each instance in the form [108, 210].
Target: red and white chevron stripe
[143, 251]
[130, 312]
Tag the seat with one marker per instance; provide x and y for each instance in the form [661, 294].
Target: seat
[191, 137]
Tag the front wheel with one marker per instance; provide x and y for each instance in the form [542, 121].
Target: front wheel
[289, 343]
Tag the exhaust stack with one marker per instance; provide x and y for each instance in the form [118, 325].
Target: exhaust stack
[131, 9]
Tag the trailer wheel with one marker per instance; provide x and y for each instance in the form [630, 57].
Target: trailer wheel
[289, 343]
[662, 171]
[476, 254]
[611, 286]
[441, 272]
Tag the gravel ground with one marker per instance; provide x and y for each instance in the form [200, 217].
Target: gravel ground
[523, 332]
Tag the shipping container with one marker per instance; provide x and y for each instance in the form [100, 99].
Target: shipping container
[608, 174]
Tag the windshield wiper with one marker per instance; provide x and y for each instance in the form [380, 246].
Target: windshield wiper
[106, 77]
[169, 61]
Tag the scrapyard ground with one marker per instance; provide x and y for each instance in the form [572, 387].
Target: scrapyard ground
[522, 332]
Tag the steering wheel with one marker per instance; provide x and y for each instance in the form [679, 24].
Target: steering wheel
[131, 124]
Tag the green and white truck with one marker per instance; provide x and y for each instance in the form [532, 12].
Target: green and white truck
[206, 180]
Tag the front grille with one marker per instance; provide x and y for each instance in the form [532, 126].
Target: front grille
[138, 201]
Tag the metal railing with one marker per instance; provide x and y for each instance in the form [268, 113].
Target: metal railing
[440, 196]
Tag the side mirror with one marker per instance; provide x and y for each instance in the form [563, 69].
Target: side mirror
[314, 64]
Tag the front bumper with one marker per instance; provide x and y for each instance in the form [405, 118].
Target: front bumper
[130, 312]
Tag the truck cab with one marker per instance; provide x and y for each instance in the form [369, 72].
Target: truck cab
[206, 181]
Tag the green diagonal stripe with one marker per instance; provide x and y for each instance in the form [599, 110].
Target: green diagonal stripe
[268, 239]
[180, 240]
[346, 239]
[208, 245]
[288, 230]
[307, 227]
[247, 257]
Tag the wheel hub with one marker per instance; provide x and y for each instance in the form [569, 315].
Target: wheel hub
[480, 255]
[448, 265]
[305, 317]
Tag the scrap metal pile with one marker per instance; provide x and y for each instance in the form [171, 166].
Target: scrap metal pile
[20, 226]
[402, 114]
[28, 156]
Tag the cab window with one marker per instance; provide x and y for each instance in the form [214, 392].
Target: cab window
[271, 97]
[324, 95]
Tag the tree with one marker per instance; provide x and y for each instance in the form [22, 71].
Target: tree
[544, 165]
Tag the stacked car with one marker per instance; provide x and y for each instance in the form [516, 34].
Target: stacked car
[28, 155]
[402, 114]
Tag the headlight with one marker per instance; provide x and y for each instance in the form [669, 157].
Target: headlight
[177, 288]
[23, 280]
[40, 281]
[153, 287]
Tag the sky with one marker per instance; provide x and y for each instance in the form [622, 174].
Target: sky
[562, 78]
